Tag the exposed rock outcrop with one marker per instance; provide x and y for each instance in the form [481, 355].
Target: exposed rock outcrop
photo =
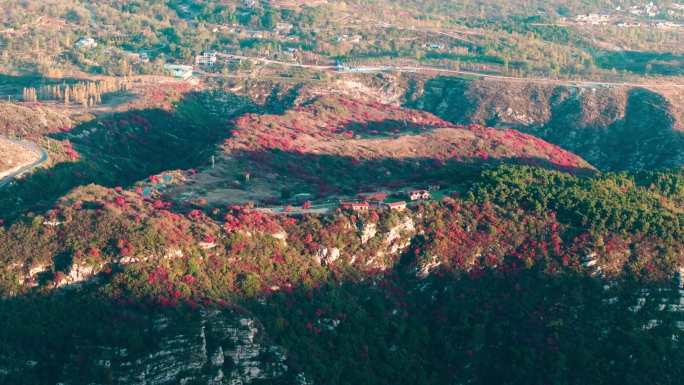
[428, 267]
[368, 231]
[399, 237]
[327, 256]
[219, 347]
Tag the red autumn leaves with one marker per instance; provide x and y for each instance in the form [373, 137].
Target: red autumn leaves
[339, 119]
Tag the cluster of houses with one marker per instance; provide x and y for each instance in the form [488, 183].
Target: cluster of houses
[185, 72]
[641, 10]
[361, 207]
[377, 200]
[593, 19]
[604, 20]
[281, 30]
[345, 67]
[668, 299]
[649, 9]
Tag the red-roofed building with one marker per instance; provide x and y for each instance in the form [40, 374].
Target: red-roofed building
[398, 206]
[356, 206]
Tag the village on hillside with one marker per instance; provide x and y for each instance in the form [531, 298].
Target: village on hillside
[304, 203]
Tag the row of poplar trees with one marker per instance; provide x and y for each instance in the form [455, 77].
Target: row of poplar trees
[88, 93]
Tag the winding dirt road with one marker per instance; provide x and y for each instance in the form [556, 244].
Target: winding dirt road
[8, 176]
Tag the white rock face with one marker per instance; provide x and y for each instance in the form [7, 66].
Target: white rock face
[30, 278]
[302, 380]
[320, 254]
[591, 263]
[368, 231]
[169, 255]
[407, 226]
[327, 256]
[280, 235]
[206, 245]
[428, 267]
[333, 256]
[218, 358]
[80, 273]
[399, 237]
[216, 348]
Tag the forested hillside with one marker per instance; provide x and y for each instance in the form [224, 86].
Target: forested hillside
[348, 192]
[130, 280]
[320, 285]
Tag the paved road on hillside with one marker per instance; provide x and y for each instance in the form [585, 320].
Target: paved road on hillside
[30, 146]
[421, 69]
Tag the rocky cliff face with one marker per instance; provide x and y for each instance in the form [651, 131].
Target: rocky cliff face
[379, 250]
[614, 128]
[208, 347]
[192, 347]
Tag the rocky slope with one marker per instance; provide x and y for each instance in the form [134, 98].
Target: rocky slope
[613, 128]
[208, 347]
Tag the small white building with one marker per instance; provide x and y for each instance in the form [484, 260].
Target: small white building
[284, 28]
[207, 58]
[86, 43]
[178, 71]
[256, 34]
[355, 39]
[396, 206]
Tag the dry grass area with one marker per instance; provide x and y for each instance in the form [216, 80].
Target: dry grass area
[444, 143]
[13, 156]
[225, 183]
